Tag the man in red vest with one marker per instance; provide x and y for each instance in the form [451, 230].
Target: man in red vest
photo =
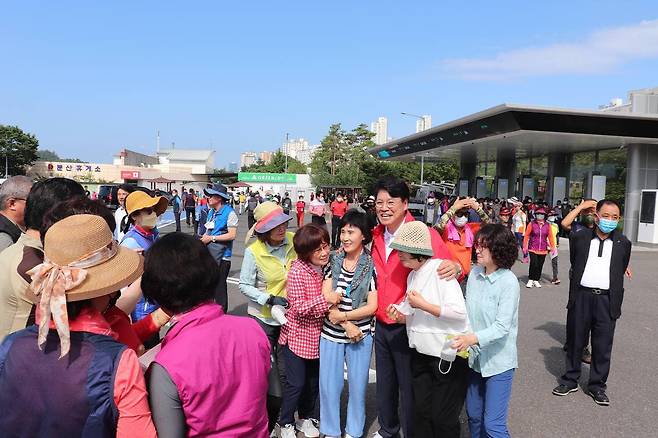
[392, 352]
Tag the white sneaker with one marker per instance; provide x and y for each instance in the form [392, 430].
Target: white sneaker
[530, 283]
[288, 431]
[377, 435]
[537, 284]
[307, 427]
[347, 435]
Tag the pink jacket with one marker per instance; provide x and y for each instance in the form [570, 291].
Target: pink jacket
[219, 363]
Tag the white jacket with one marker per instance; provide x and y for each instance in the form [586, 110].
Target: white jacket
[427, 333]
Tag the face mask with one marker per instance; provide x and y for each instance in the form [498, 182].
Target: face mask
[607, 225]
[339, 199]
[430, 201]
[588, 220]
[149, 220]
[551, 218]
[461, 221]
[540, 217]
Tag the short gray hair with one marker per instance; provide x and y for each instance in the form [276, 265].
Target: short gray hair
[15, 187]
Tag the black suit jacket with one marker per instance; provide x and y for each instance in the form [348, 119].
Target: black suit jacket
[579, 244]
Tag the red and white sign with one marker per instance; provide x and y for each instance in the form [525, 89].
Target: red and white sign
[129, 174]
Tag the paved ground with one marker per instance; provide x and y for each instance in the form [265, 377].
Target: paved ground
[534, 411]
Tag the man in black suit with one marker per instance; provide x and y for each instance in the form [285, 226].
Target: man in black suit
[599, 259]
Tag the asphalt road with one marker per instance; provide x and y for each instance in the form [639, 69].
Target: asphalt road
[534, 411]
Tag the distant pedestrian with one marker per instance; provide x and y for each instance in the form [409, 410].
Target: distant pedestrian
[176, 203]
[301, 206]
[13, 197]
[492, 304]
[252, 203]
[555, 230]
[318, 210]
[338, 209]
[190, 204]
[537, 242]
[120, 214]
[286, 203]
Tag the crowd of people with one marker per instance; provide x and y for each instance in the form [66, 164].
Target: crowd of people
[102, 316]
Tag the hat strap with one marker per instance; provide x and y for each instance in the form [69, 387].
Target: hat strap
[51, 281]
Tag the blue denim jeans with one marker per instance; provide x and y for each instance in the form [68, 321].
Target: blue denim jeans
[332, 357]
[487, 403]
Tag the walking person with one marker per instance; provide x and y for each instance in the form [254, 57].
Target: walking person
[338, 209]
[120, 214]
[263, 278]
[286, 203]
[221, 230]
[392, 352]
[300, 336]
[555, 230]
[599, 261]
[300, 207]
[347, 333]
[82, 382]
[190, 204]
[13, 197]
[537, 242]
[492, 304]
[318, 210]
[252, 203]
[176, 203]
[242, 198]
[203, 345]
[519, 221]
[433, 312]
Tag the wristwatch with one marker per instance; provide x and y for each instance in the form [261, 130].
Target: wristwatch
[213, 239]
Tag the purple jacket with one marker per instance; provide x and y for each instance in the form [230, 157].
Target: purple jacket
[539, 236]
[219, 363]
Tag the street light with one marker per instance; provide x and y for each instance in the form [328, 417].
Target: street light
[422, 157]
[286, 153]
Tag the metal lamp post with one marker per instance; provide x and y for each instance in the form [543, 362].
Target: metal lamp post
[422, 157]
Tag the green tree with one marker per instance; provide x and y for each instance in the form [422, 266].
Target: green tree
[277, 165]
[17, 148]
[48, 155]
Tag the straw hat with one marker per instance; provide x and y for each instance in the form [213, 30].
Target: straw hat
[76, 237]
[139, 200]
[413, 237]
[268, 215]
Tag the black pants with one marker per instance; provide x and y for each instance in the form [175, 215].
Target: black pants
[536, 266]
[302, 386]
[190, 216]
[438, 397]
[589, 313]
[221, 290]
[336, 223]
[277, 375]
[251, 220]
[177, 219]
[394, 381]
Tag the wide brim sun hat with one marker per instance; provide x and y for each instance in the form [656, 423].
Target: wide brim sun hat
[414, 238]
[218, 190]
[81, 261]
[504, 212]
[268, 215]
[540, 210]
[139, 200]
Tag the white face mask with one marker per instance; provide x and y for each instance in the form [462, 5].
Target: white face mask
[461, 221]
[149, 220]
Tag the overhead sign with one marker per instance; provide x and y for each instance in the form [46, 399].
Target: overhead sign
[129, 174]
[280, 178]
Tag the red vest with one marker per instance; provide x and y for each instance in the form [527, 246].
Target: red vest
[391, 275]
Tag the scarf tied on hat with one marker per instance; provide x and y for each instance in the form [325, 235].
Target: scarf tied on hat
[453, 234]
[51, 281]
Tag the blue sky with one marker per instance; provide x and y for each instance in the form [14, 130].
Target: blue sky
[89, 78]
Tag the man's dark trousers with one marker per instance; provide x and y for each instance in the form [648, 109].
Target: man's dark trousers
[589, 312]
[189, 213]
[177, 219]
[336, 223]
[394, 381]
[221, 290]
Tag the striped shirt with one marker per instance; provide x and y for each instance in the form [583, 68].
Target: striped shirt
[335, 332]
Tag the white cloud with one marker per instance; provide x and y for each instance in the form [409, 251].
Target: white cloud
[601, 52]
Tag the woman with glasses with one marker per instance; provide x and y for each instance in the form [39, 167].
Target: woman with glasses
[300, 336]
[458, 233]
[492, 305]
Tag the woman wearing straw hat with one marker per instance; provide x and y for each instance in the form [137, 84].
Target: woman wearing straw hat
[68, 376]
[143, 211]
[433, 311]
[263, 280]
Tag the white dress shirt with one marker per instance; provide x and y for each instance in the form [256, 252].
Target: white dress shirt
[597, 269]
[388, 239]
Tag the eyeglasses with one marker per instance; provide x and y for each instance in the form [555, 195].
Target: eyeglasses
[389, 204]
